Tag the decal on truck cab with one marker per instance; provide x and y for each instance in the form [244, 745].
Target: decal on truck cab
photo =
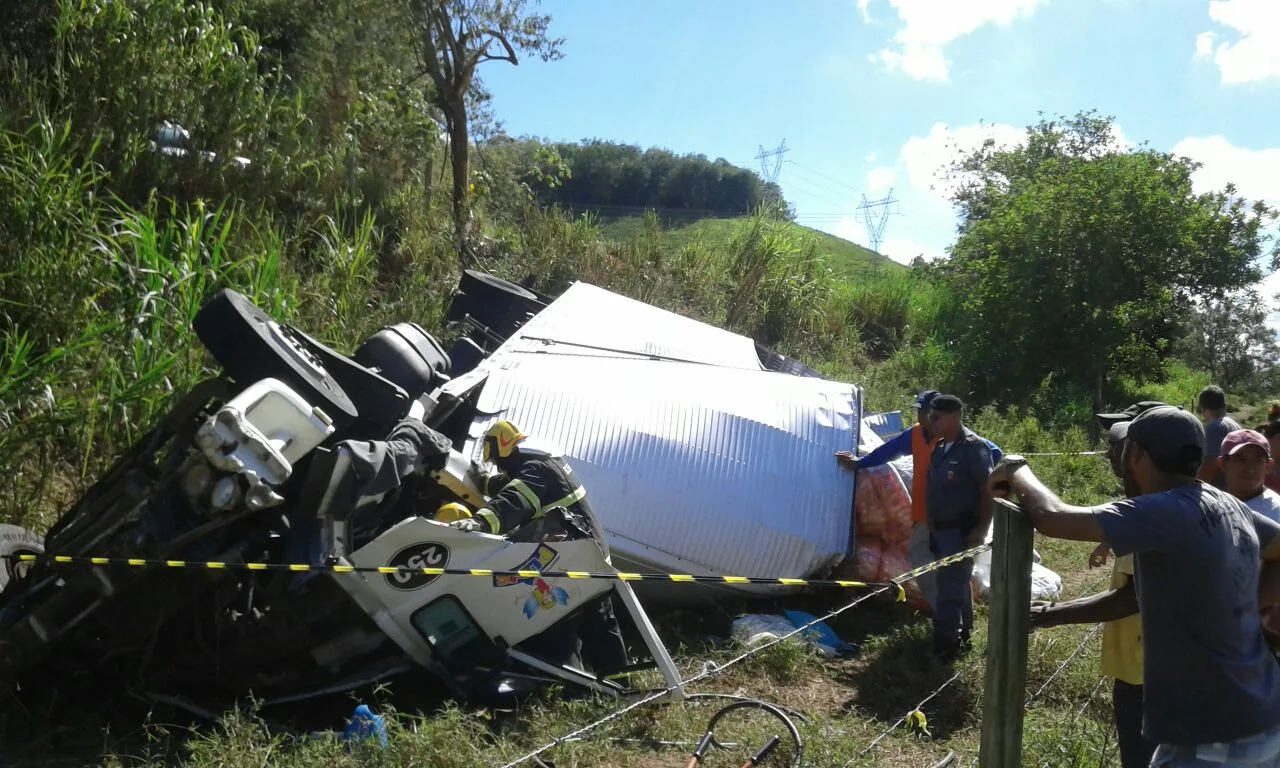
[544, 596]
[540, 560]
[427, 554]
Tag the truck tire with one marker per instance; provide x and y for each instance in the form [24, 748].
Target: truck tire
[250, 345]
[482, 286]
[497, 304]
[16, 541]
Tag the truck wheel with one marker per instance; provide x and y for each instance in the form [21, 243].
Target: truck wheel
[483, 286]
[16, 541]
[250, 345]
[492, 301]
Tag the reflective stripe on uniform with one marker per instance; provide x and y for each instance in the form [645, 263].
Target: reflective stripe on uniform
[490, 517]
[578, 495]
[529, 496]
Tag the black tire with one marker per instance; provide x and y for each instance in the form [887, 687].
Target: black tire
[500, 305]
[250, 345]
[483, 286]
[16, 541]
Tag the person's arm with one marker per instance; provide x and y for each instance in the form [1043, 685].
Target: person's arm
[1049, 514]
[1105, 606]
[515, 504]
[895, 448]
[1269, 545]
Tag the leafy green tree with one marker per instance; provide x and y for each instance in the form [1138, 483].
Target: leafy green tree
[455, 37]
[1078, 260]
[1229, 338]
[624, 179]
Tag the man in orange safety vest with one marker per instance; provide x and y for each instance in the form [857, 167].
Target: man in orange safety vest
[918, 442]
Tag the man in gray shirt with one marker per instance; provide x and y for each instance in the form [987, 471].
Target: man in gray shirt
[1212, 686]
[1217, 425]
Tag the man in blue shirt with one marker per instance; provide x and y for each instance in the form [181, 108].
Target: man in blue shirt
[959, 513]
[1211, 685]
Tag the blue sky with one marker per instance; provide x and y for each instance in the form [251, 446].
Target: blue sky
[870, 94]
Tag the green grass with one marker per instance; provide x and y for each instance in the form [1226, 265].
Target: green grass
[846, 258]
[847, 704]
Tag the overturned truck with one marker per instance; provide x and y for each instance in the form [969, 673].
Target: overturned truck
[702, 453]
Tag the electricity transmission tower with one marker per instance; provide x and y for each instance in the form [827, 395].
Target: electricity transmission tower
[770, 170]
[875, 215]
[770, 167]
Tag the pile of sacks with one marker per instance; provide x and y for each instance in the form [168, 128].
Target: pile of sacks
[882, 516]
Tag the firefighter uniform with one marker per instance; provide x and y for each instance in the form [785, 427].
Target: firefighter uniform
[534, 492]
[535, 487]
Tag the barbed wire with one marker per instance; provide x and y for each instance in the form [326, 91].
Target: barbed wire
[717, 669]
[918, 709]
[1061, 667]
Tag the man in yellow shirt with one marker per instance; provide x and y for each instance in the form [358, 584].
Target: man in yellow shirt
[1118, 608]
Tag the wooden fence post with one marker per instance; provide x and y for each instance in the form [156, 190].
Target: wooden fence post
[1008, 622]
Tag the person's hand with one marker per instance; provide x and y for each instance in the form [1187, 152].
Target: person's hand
[467, 525]
[847, 459]
[1098, 557]
[1040, 615]
[998, 482]
[975, 539]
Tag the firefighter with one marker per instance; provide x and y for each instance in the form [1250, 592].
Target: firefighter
[528, 485]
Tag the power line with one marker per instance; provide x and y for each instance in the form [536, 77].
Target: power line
[826, 176]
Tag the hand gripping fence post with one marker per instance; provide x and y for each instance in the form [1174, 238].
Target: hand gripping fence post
[1008, 622]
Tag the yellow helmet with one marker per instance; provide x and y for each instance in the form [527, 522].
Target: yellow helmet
[501, 439]
[447, 513]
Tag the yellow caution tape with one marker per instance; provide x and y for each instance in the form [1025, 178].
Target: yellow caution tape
[677, 578]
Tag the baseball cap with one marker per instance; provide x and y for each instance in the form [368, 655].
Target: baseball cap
[925, 399]
[1118, 431]
[1170, 436]
[1240, 439]
[1107, 420]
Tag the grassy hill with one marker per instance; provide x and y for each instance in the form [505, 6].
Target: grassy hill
[845, 257]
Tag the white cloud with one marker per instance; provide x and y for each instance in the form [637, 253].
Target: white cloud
[862, 9]
[1254, 54]
[1204, 45]
[881, 178]
[926, 158]
[871, 158]
[1255, 172]
[930, 25]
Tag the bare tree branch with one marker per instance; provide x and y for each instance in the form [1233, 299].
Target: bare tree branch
[484, 49]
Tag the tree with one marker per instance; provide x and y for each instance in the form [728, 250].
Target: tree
[456, 36]
[1229, 337]
[1077, 259]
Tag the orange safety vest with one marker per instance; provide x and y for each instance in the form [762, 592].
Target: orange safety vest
[921, 454]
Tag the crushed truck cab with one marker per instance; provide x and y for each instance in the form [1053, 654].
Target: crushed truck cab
[295, 454]
[464, 623]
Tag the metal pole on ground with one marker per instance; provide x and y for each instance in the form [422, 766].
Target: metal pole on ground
[1008, 622]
